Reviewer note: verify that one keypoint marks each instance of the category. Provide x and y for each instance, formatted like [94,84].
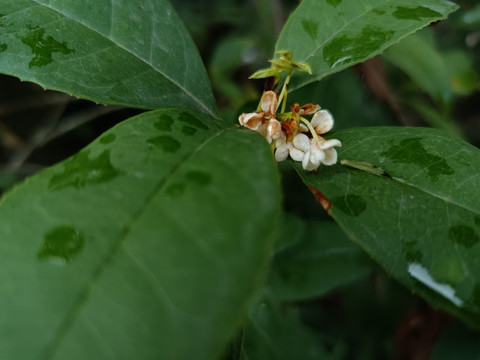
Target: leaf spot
[3,47]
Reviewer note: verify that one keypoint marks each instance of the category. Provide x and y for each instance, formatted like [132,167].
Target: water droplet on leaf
[416,13]
[192,120]
[164,123]
[411,151]
[351,47]
[311,28]
[107,139]
[43,47]
[175,190]
[199,177]
[188,130]
[64,242]
[166,143]
[81,170]
[463,235]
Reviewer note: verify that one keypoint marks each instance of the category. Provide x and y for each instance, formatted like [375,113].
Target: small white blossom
[283,151]
[330,153]
[300,146]
[313,157]
[322,122]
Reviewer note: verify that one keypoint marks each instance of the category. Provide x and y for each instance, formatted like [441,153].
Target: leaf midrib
[173,81]
[82,299]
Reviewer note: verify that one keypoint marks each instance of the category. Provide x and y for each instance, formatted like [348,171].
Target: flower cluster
[290,134]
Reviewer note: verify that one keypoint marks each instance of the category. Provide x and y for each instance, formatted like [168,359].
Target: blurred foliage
[429,79]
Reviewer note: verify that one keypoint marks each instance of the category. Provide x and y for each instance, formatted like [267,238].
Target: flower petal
[310,109]
[269,102]
[281,140]
[281,153]
[309,162]
[327,144]
[302,128]
[251,120]
[301,142]
[296,154]
[274,130]
[330,157]
[322,121]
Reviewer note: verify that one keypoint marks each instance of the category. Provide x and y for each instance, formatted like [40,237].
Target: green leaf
[421,220]
[331,35]
[149,243]
[135,54]
[321,260]
[278,333]
[418,58]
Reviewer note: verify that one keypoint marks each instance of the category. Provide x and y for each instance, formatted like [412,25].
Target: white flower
[322,122]
[330,153]
[313,157]
[321,152]
[300,146]
[282,151]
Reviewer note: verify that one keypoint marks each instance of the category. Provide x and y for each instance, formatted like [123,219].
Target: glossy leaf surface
[421,220]
[143,245]
[322,259]
[331,35]
[136,54]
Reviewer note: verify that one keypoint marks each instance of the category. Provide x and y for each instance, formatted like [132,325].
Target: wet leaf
[421,220]
[136,54]
[136,248]
[322,259]
[333,35]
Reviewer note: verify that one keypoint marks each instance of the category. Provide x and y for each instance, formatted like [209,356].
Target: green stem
[259,106]
[283,95]
[310,127]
